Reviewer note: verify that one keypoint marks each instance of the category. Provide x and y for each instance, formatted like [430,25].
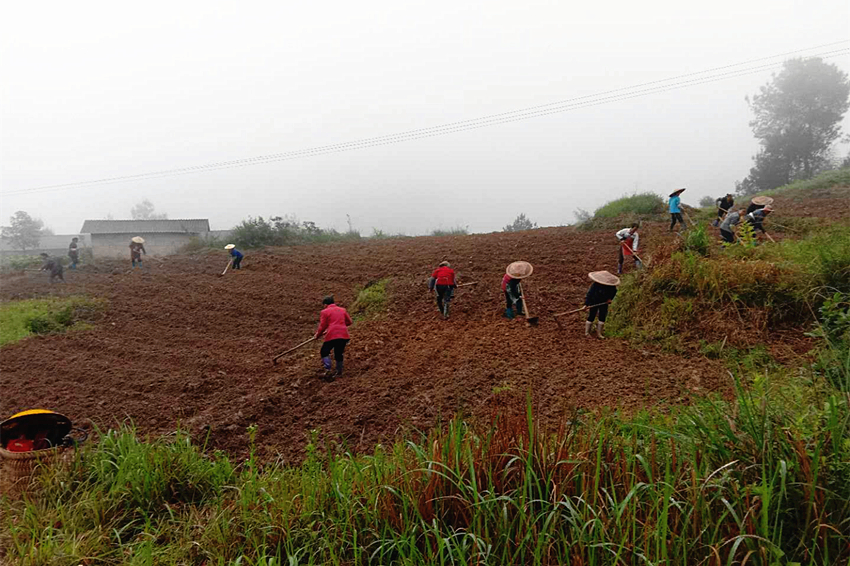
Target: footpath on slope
[182,347]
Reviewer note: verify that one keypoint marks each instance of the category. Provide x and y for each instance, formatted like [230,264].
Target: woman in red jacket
[333,323]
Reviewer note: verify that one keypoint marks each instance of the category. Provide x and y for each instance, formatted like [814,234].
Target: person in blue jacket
[236,255]
[675,211]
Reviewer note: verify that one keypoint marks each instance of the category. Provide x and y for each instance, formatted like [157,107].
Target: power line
[605,97]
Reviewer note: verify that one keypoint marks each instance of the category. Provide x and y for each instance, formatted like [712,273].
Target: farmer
[723,205]
[675,210]
[54,266]
[514,274]
[137,248]
[599,296]
[756,218]
[628,238]
[333,323]
[443,280]
[759,202]
[727,227]
[235,255]
[73,253]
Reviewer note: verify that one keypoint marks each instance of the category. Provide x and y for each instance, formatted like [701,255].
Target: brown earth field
[179,346]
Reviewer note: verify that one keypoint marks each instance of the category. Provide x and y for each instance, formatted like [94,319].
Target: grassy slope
[50,315]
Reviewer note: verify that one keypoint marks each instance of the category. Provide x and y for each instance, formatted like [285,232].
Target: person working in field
[444,282]
[727,227]
[333,323]
[137,248]
[73,253]
[756,218]
[674,205]
[628,238]
[759,202]
[600,294]
[514,274]
[723,205]
[235,256]
[54,266]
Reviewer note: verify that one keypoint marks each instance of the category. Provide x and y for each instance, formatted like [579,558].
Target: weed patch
[371,299]
[20,319]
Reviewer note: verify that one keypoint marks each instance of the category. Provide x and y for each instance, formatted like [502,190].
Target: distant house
[56,245]
[111,238]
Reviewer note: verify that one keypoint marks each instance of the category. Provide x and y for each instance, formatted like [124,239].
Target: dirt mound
[181,346]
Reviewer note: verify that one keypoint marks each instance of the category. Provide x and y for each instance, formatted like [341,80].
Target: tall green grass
[453,231]
[827,180]
[19,319]
[637,204]
[762,480]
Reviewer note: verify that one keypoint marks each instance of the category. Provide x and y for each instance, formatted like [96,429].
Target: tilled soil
[180,346]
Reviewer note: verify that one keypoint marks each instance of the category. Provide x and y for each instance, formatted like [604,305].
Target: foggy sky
[98,89]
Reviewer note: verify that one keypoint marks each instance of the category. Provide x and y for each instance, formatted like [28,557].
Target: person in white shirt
[628,238]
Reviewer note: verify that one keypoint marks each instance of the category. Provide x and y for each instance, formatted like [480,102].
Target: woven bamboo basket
[19,469]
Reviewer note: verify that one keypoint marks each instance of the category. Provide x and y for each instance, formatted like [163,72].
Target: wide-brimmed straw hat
[677,192]
[519,269]
[444,264]
[762,201]
[137,239]
[229,246]
[604,278]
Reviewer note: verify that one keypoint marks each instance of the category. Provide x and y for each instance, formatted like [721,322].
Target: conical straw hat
[229,246]
[677,192]
[137,239]
[519,269]
[604,278]
[762,201]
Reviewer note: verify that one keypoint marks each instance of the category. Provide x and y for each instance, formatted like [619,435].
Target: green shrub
[698,240]
[285,231]
[456,231]
[371,299]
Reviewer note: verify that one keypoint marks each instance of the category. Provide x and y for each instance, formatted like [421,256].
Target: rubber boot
[509,313]
[326,362]
[339,368]
[446,310]
[587,326]
[599,326]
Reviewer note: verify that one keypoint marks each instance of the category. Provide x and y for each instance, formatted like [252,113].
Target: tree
[797,119]
[24,232]
[145,211]
[707,202]
[521,222]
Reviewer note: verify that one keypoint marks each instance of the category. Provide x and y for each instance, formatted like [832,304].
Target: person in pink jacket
[333,323]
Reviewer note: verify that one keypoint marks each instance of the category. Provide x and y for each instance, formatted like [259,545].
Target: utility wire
[625,93]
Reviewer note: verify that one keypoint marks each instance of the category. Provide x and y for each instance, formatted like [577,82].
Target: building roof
[190,226]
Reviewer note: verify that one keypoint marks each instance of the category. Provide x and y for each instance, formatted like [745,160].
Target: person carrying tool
[728,225]
[444,282]
[723,205]
[628,238]
[54,266]
[73,253]
[333,323]
[759,202]
[137,248]
[600,294]
[514,274]
[756,218]
[235,256]
[675,209]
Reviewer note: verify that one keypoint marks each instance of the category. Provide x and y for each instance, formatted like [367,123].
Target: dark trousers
[444,295]
[338,346]
[727,236]
[511,299]
[676,217]
[57,274]
[601,310]
[237,262]
[622,258]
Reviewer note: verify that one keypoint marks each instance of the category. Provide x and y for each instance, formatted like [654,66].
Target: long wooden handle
[578,310]
[634,253]
[467,284]
[304,343]
[769,238]
[226,267]
[524,302]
